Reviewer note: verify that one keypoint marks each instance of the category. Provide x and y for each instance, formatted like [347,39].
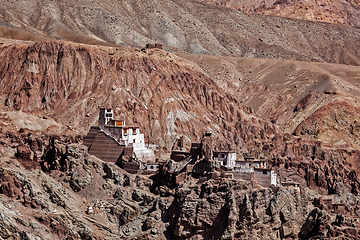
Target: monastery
[113,140]
[247,168]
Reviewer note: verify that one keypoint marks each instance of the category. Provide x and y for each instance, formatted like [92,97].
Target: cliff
[51,94]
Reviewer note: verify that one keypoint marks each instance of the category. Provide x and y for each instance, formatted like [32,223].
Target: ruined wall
[263,179]
[243,175]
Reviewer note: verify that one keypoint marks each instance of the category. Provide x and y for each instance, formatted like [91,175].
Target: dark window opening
[264,171]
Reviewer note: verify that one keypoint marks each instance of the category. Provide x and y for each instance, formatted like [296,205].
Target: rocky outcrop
[233,209]
[167,97]
[124,207]
[338,118]
[56,207]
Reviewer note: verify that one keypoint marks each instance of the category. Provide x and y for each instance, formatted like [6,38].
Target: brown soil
[52,91]
[291,93]
[339,12]
[182,25]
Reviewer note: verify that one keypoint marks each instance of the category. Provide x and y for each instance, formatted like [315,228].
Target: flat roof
[262,169]
[223,152]
[290,183]
[126,127]
[245,161]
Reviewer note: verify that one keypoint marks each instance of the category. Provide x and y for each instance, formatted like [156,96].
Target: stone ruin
[156,45]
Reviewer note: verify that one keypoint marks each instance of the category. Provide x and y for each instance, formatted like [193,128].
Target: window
[264,171]
[133,140]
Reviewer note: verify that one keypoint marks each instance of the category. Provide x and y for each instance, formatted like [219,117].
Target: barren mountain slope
[183,25]
[51,94]
[164,94]
[306,99]
[159,91]
[334,11]
[52,91]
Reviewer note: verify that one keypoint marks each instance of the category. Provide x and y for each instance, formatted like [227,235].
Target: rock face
[340,12]
[185,25]
[51,188]
[123,206]
[54,207]
[159,91]
[226,209]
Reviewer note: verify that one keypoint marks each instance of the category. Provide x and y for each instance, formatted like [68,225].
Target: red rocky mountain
[278,89]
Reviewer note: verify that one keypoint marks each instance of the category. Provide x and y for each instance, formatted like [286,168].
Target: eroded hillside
[51,96]
[181,25]
[166,95]
[253,102]
[314,100]
[335,11]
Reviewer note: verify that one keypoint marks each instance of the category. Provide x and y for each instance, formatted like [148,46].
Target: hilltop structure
[113,140]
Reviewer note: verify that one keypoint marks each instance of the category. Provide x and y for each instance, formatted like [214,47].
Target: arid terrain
[181,25]
[313,100]
[285,90]
[332,11]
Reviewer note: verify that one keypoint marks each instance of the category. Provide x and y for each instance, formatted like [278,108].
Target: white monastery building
[125,135]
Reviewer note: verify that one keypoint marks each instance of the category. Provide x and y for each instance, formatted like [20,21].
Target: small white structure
[273,177]
[258,169]
[109,115]
[152,167]
[90,209]
[290,182]
[226,159]
[54,210]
